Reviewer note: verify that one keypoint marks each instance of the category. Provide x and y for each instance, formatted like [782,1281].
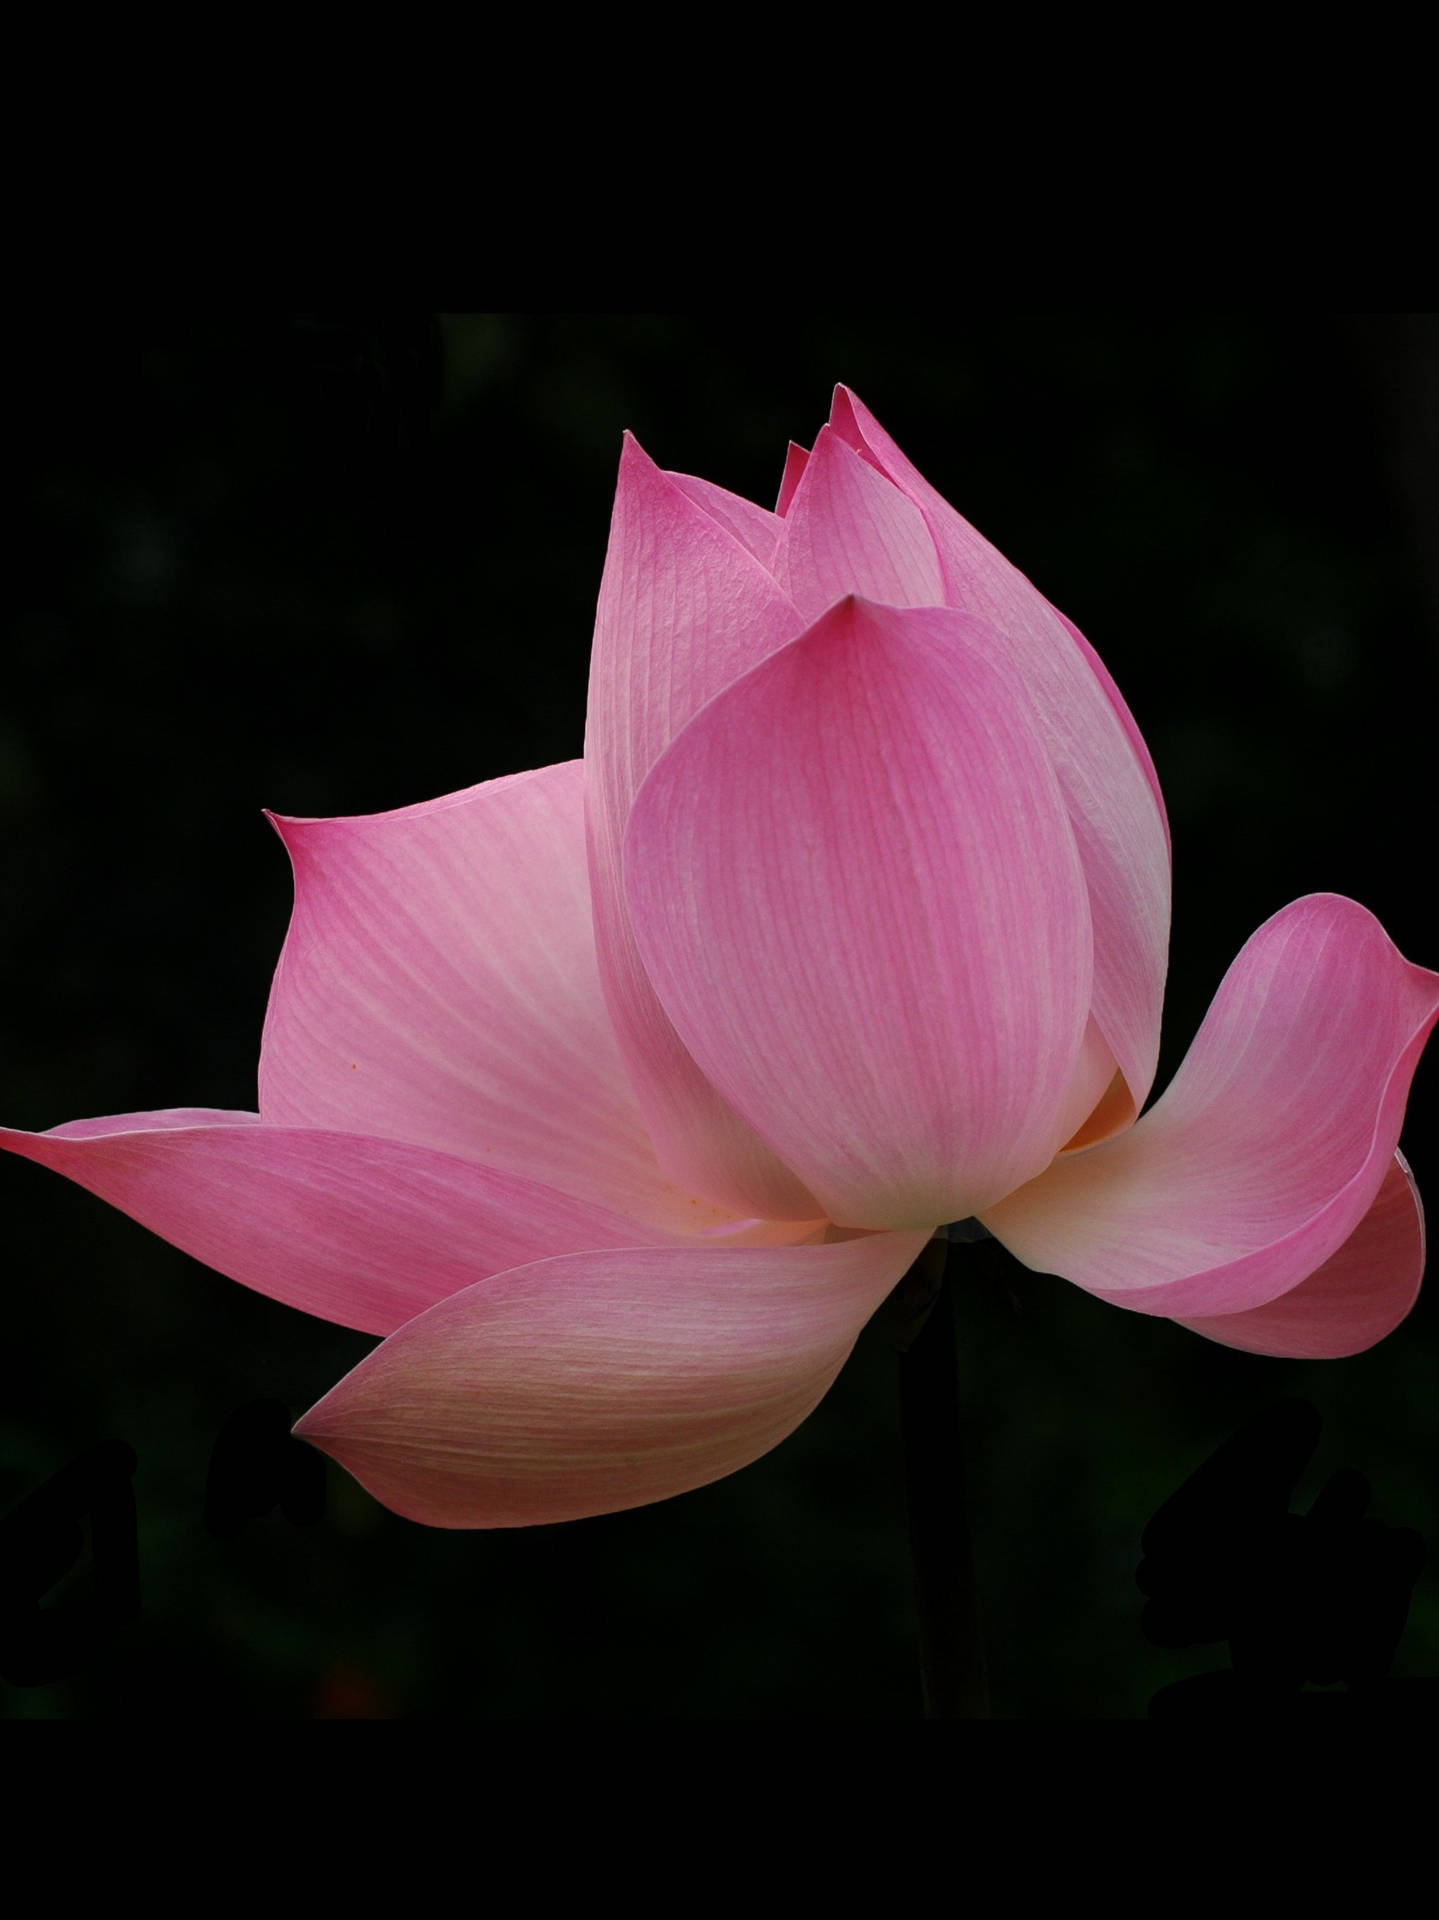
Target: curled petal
[684,609]
[1096,1102]
[854,886]
[360,1231]
[1105,772]
[1358,1296]
[1272,1142]
[601,1380]
[438,984]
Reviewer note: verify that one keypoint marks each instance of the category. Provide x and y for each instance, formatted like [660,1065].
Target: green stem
[946,1595]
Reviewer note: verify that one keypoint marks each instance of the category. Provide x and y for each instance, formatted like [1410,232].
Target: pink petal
[684,609]
[438,984]
[361,1231]
[794,466]
[1138,744]
[855,888]
[1105,772]
[1270,1145]
[848,530]
[106,1123]
[1358,1296]
[752,526]
[600,1381]
[1096,1102]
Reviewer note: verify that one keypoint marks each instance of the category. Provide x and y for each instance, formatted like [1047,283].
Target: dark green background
[343,562]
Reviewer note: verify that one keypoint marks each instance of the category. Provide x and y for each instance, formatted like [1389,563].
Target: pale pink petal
[794,465]
[1113,1112]
[848,530]
[684,609]
[438,984]
[1358,1296]
[602,1380]
[364,1232]
[754,527]
[1105,772]
[1271,1143]
[855,888]
[1094,1106]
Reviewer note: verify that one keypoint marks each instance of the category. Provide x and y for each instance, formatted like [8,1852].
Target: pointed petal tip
[285,826]
[358,1229]
[309,1428]
[796,459]
[600,1381]
[845,412]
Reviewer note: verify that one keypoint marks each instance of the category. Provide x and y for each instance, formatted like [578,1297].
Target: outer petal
[1104,770]
[599,1381]
[855,888]
[684,609]
[438,984]
[848,530]
[1358,1296]
[1272,1142]
[361,1231]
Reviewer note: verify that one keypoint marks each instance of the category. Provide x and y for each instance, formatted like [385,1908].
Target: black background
[343,562]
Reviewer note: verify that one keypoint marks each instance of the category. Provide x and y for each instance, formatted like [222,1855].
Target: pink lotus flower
[618,1095]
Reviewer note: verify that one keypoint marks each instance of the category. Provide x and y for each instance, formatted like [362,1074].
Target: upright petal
[848,530]
[1358,1296]
[1269,1147]
[855,888]
[361,1231]
[1104,769]
[795,461]
[599,1381]
[438,984]
[754,527]
[684,609]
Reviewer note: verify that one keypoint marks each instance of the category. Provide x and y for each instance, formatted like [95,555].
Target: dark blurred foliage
[342,562]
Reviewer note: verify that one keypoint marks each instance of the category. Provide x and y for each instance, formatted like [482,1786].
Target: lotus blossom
[617,1095]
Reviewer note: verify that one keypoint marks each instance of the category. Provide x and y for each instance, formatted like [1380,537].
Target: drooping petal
[684,609]
[855,888]
[1105,772]
[753,526]
[1358,1296]
[1271,1143]
[360,1231]
[600,1381]
[848,530]
[794,465]
[438,984]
